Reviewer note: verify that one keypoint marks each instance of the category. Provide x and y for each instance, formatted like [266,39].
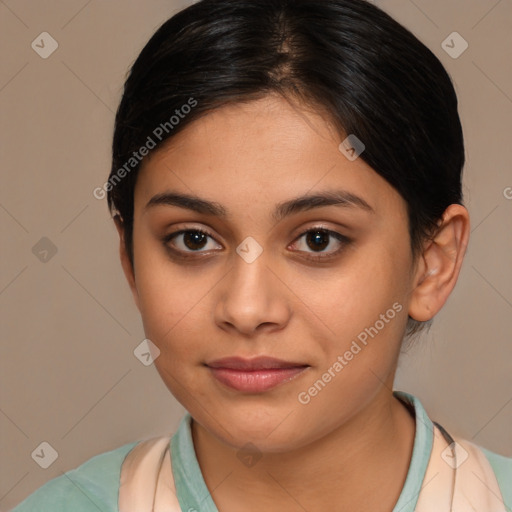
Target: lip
[254,375]
[255,363]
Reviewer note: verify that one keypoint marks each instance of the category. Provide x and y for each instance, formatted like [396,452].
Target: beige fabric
[147,483]
[476,486]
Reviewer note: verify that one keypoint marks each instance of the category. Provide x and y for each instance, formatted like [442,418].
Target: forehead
[256,154]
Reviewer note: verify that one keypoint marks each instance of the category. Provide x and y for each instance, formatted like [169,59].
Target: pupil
[194,238]
[317,239]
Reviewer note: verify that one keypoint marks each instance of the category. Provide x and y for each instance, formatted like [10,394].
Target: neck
[372,451]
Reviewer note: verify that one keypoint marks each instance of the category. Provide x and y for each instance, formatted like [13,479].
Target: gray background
[68,372]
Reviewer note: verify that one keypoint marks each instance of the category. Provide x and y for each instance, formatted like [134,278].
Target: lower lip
[255,381]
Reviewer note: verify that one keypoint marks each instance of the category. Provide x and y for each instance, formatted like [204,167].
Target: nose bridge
[251,294]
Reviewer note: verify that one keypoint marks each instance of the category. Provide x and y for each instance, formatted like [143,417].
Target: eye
[188,241]
[318,239]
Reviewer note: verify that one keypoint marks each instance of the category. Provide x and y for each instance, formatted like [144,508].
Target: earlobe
[125,259]
[440,264]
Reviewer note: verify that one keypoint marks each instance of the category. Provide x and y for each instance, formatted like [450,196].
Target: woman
[286,184]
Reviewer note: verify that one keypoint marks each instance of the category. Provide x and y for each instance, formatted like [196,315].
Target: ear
[125,260]
[440,264]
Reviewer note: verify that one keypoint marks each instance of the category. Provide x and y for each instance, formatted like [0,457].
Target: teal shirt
[94,486]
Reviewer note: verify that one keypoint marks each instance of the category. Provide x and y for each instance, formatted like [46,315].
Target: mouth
[254,375]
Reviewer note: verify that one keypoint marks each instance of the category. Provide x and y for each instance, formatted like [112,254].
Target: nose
[252,299]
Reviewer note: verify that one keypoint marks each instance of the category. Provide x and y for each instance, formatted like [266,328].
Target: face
[257,269]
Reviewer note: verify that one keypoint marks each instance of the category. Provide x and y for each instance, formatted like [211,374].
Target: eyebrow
[341,198]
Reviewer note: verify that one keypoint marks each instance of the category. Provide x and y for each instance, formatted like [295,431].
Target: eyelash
[344,241]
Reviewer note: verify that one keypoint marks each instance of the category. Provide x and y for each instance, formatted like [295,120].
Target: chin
[270,430]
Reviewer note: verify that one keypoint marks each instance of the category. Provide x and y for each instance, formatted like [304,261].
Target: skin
[353,433]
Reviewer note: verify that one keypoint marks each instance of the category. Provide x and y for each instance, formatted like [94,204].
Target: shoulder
[92,486]
[502,467]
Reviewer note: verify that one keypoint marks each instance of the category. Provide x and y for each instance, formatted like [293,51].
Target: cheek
[366,310]
[172,306]
[370,291]
[167,295]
